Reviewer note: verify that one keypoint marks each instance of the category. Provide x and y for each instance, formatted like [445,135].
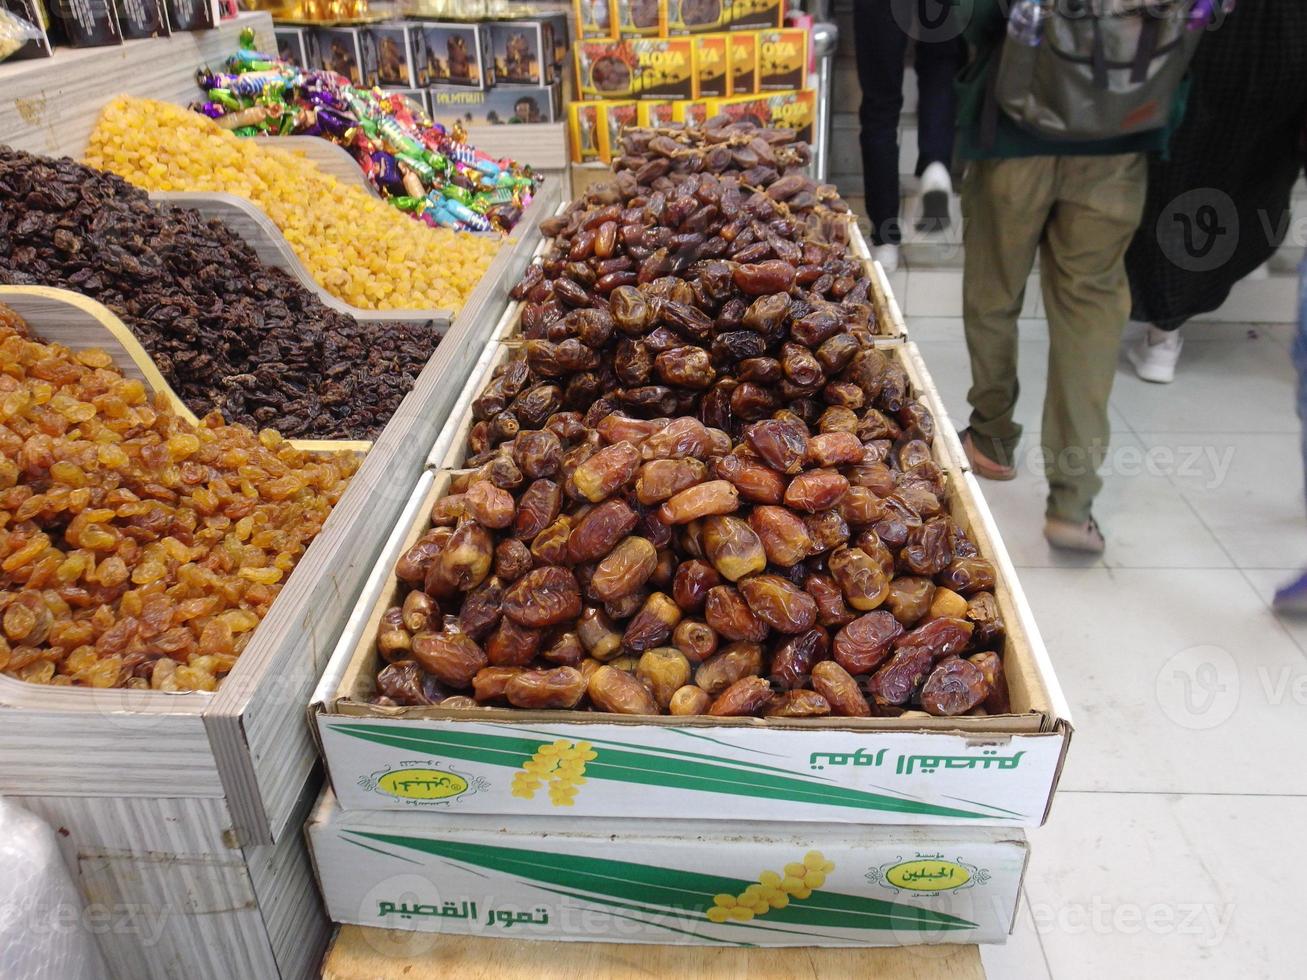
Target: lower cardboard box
[675,882]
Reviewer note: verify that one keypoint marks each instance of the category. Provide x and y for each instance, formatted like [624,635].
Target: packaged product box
[692,112]
[142,18]
[636,68]
[348,51]
[742,55]
[695,16]
[784,110]
[655,113]
[557,20]
[298,45]
[458,54]
[640,18]
[595,18]
[193,15]
[613,118]
[494,107]
[583,126]
[34,13]
[782,60]
[400,48]
[523,52]
[748,15]
[672,882]
[86,23]
[711,66]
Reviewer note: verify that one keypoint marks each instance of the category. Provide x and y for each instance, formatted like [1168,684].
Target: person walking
[881,31]
[1076,204]
[1292,596]
[1218,207]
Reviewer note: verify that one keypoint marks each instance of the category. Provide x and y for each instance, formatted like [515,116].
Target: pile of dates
[698,488]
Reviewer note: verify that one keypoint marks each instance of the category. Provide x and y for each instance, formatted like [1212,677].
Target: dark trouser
[881,31]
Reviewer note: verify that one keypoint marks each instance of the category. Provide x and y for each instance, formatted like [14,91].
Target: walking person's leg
[939,56]
[1292,597]
[1087,300]
[880,44]
[1005,204]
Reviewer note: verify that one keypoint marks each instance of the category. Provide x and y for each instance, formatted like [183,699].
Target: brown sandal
[982,465]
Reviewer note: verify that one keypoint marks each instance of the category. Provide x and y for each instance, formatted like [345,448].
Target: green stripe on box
[683,892]
[654,770]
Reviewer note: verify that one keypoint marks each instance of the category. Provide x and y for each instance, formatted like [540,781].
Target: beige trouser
[1080,214]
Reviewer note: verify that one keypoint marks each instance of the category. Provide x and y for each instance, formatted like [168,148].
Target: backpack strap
[1149,36]
[989,103]
[1098,56]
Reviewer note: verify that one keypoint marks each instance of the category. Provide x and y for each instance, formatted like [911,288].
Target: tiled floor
[1172,850]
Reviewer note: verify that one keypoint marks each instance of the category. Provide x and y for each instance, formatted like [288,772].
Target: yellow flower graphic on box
[773,891]
[559,764]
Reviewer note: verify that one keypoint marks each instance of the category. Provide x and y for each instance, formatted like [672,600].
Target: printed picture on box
[340,58]
[518,63]
[700,13]
[456,67]
[287,51]
[392,60]
[594,16]
[525,110]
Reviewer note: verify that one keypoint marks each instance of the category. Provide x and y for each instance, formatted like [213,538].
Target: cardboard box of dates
[676,881]
[718,590]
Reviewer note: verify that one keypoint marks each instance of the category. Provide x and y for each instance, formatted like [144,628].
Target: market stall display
[228,333]
[357,247]
[418,166]
[140,551]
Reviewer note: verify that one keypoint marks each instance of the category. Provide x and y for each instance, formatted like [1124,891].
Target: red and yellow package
[695,16]
[640,18]
[782,60]
[711,66]
[742,55]
[692,112]
[583,131]
[782,110]
[636,68]
[655,113]
[748,15]
[613,117]
[595,18]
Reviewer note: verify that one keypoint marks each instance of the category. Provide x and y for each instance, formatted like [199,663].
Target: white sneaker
[1155,354]
[887,256]
[936,189]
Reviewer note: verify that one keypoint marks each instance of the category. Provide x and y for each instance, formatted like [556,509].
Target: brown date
[512,560]
[732,547]
[625,570]
[703,500]
[724,668]
[862,645]
[565,650]
[780,443]
[451,658]
[664,671]
[816,490]
[607,470]
[840,690]
[798,704]
[537,509]
[419,611]
[596,633]
[660,479]
[954,687]
[465,562]
[653,624]
[691,584]
[543,597]
[784,536]
[726,612]
[488,505]
[947,604]
[991,667]
[747,696]
[689,700]
[537,453]
[831,607]
[687,367]
[792,661]
[512,645]
[561,687]
[490,682]
[861,578]
[599,531]
[827,529]
[927,549]
[939,637]
[696,640]
[480,611]
[909,599]
[833,449]
[779,603]
[773,276]
[968,576]
[550,545]
[756,483]
[617,692]
[983,613]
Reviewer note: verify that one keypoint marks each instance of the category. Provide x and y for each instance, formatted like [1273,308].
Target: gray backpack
[1099,68]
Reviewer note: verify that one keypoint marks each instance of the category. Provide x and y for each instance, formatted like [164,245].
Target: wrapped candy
[423,169]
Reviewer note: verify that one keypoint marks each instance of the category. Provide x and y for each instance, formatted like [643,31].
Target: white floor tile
[1265,581]
[1146,519]
[1179,681]
[1241,385]
[1134,886]
[1248,490]
[1021,958]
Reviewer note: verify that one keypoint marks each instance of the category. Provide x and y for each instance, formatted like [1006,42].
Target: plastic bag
[14,33]
[43,935]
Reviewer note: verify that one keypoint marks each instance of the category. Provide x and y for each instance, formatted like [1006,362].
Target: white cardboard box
[666,881]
